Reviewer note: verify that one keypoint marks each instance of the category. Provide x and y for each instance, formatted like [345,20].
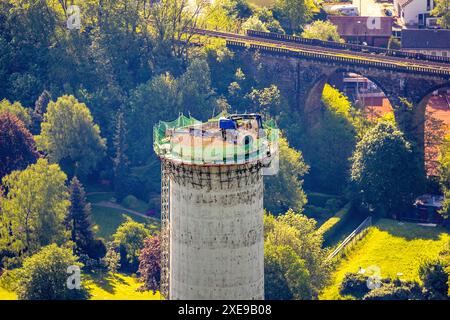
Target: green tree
[285,274]
[196,94]
[112,258]
[70,137]
[172,21]
[253,23]
[434,278]
[385,171]
[130,237]
[265,101]
[16,109]
[79,218]
[322,30]
[284,190]
[265,15]
[298,233]
[443,160]
[149,103]
[34,208]
[329,144]
[442,10]
[292,14]
[44,276]
[121,163]
[17,146]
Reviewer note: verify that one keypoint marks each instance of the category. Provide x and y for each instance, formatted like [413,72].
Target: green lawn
[101,196]
[392,246]
[107,220]
[116,287]
[106,287]
[6,295]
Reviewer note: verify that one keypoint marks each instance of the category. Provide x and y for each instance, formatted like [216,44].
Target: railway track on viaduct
[334,52]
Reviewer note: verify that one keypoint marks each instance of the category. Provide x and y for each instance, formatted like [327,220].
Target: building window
[444,53]
[433,53]
[428,5]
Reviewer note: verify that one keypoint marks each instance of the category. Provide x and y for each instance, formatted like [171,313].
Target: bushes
[129,238]
[357,285]
[434,278]
[44,276]
[396,290]
[130,201]
[354,284]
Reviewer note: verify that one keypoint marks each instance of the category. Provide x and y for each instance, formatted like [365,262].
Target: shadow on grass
[105,281]
[409,230]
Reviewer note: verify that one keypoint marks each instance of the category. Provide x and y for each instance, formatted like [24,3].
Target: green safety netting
[163,145]
[159,130]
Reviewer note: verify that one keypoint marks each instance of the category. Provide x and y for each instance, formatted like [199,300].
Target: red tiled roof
[370,26]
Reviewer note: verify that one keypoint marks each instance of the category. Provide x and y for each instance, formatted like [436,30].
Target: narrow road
[112,205]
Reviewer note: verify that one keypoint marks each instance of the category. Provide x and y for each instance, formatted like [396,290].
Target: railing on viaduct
[329,57]
[347,46]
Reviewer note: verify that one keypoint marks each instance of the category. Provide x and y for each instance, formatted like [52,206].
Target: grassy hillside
[395,248]
[107,220]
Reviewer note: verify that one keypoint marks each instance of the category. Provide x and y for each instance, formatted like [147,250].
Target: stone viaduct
[301,68]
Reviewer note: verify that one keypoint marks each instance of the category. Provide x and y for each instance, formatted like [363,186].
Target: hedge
[330,227]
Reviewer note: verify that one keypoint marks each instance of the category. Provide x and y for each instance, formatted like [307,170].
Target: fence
[327,57]
[353,238]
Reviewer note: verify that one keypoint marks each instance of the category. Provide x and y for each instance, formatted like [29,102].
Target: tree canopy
[322,30]
[384,171]
[294,13]
[34,208]
[17,145]
[295,261]
[70,137]
[284,190]
[130,237]
[44,276]
[442,10]
[328,145]
[16,109]
[79,218]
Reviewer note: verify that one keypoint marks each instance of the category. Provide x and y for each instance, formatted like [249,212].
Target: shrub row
[333,225]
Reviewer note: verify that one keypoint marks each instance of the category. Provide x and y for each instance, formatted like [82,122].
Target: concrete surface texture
[216,235]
